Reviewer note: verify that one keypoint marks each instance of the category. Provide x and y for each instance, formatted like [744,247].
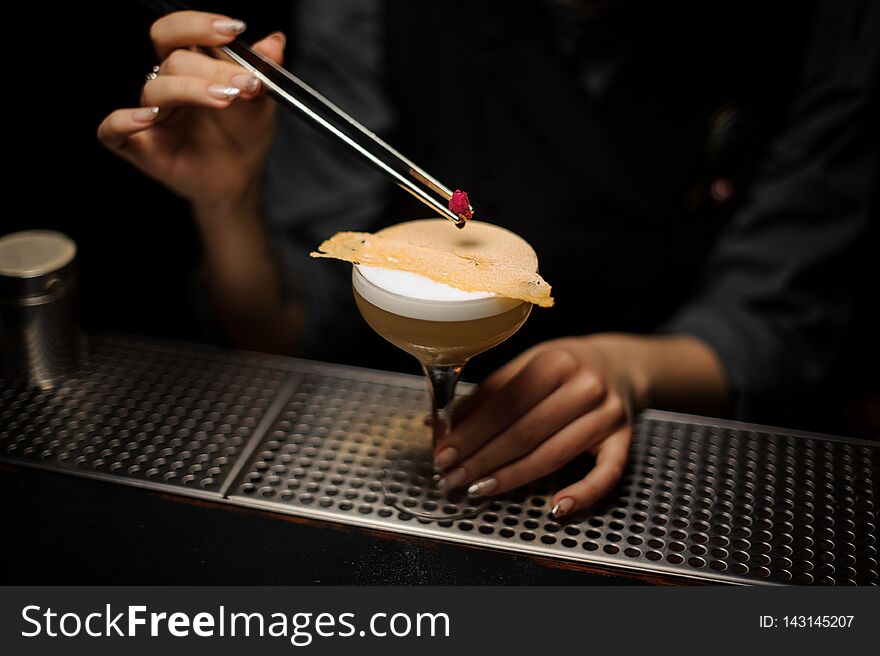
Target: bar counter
[217,466]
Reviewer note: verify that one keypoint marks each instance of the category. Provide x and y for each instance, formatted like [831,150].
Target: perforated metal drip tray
[700,499]
[149,414]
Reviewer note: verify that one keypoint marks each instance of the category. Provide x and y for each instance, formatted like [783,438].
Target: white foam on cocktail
[417,286]
[418,297]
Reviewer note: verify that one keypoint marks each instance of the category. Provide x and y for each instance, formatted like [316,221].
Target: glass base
[409,483]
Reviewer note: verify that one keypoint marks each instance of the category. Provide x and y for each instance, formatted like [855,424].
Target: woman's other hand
[569,396]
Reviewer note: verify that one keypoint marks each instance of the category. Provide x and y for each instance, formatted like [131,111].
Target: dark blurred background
[138,246]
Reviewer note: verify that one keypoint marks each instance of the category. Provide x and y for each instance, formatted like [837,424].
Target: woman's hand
[566,397]
[203,128]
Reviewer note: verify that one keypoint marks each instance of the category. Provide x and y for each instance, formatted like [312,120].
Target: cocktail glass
[442,334]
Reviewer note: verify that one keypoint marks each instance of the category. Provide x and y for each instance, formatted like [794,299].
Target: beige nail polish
[223,93]
[229,27]
[563,507]
[483,487]
[446,457]
[453,479]
[145,114]
[246,83]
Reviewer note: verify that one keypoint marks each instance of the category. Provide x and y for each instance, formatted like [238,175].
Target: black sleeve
[776,294]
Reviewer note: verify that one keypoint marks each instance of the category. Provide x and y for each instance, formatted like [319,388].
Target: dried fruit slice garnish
[487,259]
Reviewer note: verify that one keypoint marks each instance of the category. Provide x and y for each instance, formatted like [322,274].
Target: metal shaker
[40,337]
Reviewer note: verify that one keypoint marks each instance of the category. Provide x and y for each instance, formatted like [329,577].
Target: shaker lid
[34,253]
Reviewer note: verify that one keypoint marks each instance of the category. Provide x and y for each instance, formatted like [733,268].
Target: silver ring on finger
[153,74]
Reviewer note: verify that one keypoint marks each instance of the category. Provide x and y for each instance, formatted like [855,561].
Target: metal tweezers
[293,93]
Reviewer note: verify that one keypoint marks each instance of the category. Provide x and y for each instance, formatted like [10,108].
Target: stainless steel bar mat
[152,415]
[701,499]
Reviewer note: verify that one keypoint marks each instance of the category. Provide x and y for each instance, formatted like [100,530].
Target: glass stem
[441,383]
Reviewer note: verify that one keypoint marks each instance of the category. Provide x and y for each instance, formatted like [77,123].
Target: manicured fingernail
[229,26]
[563,507]
[246,83]
[280,36]
[453,479]
[145,114]
[446,457]
[223,93]
[483,487]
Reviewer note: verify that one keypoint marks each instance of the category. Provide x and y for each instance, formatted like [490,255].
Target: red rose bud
[460,205]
